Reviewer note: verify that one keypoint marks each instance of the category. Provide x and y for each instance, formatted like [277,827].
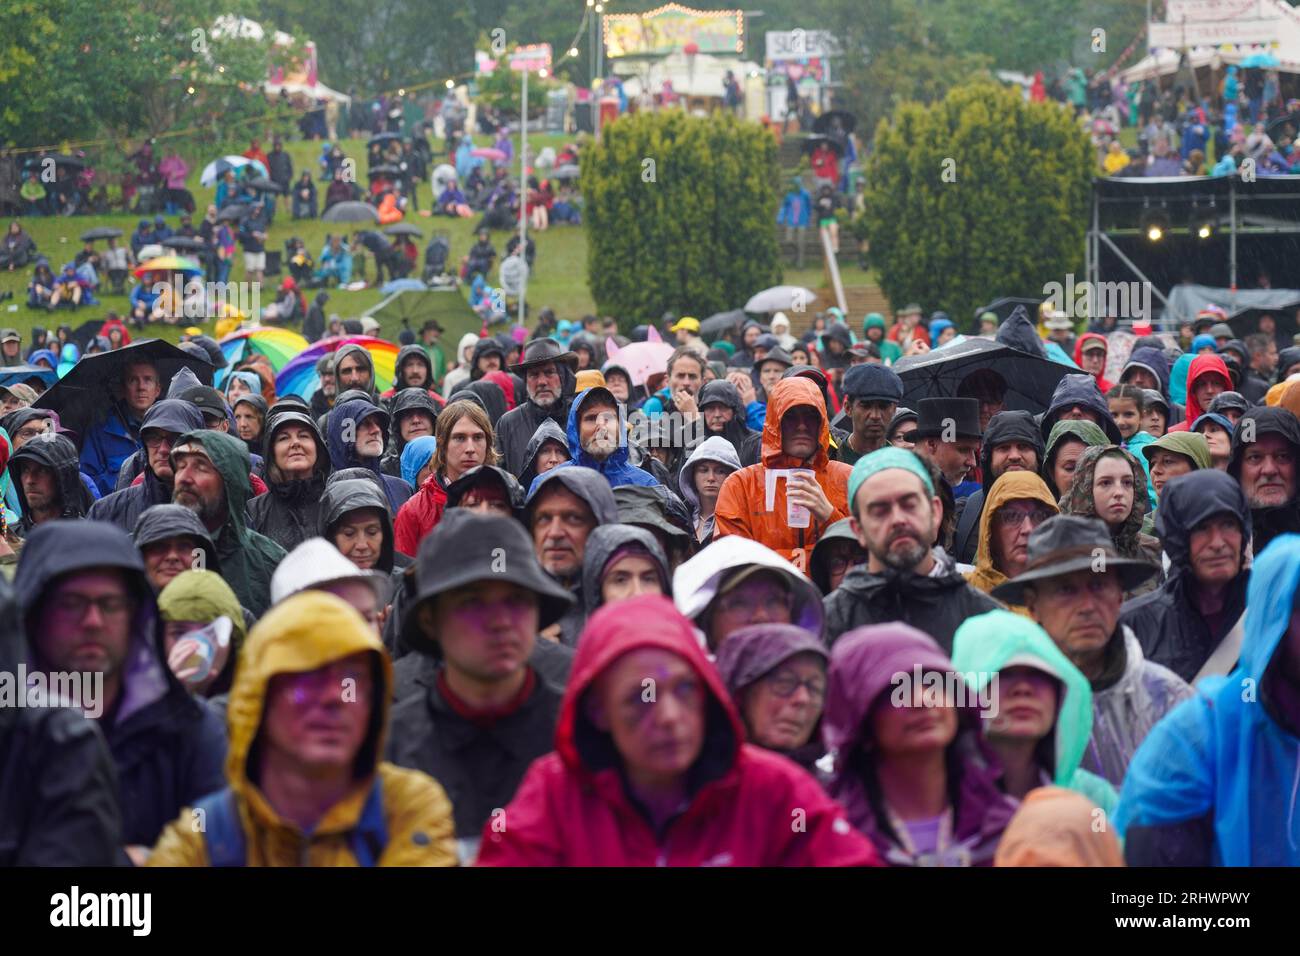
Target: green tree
[82,69]
[975,196]
[680,214]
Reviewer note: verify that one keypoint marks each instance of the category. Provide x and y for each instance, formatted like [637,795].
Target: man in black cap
[1073,585]
[489,356]
[723,414]
[948,434]
[477,600]
[1012,442]
[871,396]
[548,374]
[563,507]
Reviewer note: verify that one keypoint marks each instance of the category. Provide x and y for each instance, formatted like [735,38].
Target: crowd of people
[1189,132]
[532,606]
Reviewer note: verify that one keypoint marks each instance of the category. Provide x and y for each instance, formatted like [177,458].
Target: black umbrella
[404,229]
[717,325]
[1283,125]
[384,169]
[83,333]
[826,123]
[101,232]
[264,185]
[83,397]
[235,211]
[812,142]
[1030,380]
[351,212]
[70,161]
[382,138]
[185,242]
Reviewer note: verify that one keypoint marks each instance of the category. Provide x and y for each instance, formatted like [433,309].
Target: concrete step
[860,300]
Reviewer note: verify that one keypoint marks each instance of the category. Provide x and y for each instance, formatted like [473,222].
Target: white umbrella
[218,167]
[782,298]
[442,175]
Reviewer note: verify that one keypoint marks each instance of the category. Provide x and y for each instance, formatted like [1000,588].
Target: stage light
[1155,224]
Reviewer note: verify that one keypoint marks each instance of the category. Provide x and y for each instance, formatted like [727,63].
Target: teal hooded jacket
[987,643]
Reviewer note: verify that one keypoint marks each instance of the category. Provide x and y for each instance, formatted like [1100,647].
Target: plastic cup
[797,516]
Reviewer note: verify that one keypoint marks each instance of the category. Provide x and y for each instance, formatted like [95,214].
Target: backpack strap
[370,837]
[222,830]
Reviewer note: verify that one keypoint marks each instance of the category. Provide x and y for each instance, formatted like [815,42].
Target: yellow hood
[302,633]
[1010,486]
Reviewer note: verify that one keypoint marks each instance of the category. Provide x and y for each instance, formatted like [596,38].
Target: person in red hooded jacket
[651,767]
[1090,351]
[1207,377]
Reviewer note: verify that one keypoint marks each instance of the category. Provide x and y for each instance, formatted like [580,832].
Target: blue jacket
[795,208]
[616,468]
[1214,783]
[106,446]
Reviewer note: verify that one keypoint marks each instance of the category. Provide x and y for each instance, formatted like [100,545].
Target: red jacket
[1208,364]
[754,808]
[420,515]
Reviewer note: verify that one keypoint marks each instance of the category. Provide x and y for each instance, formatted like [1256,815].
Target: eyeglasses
[154,439]
[75,605]
[840,564]
[785,684]
[1010,517]
[748,602]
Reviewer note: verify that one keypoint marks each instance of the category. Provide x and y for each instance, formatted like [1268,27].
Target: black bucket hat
[540,351]
[465,548]
[1064,544]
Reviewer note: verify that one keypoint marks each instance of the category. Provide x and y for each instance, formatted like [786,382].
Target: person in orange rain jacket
[664,779]
[796,434]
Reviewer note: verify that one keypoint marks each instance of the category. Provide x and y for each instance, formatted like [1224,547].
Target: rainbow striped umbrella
[280,346]
[299,376]
[169,264]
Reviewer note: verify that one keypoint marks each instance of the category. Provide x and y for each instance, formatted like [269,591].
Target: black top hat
[941,417]
[541,351]
[1067,543]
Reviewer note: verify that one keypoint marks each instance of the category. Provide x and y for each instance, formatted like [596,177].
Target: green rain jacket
[987,643]
[248,559]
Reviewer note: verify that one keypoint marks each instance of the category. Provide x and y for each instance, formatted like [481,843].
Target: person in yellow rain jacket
[307,719]
[1018,502]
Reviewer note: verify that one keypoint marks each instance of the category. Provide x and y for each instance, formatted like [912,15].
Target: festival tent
[1287,49]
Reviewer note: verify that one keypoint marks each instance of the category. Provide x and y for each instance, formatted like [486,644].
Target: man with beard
[412,370]
[211,479]
[44,473]
[548,373]
[596,441]
[896,516]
